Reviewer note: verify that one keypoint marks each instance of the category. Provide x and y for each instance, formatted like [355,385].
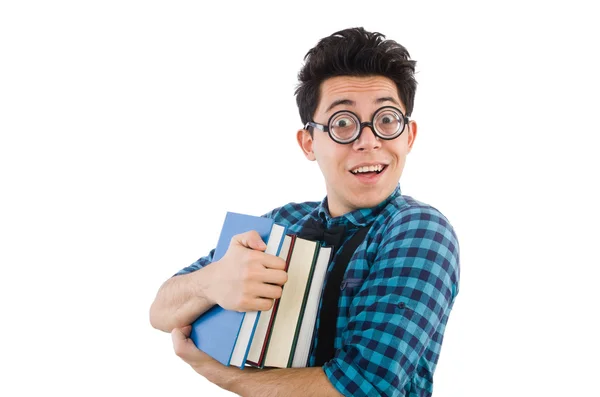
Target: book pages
[290,304]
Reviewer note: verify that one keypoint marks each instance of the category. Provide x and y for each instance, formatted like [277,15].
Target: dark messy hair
[354,52]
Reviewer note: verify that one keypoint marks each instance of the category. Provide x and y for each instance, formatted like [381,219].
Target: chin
[368,201]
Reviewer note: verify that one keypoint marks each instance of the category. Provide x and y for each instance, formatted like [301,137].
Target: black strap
[331,295]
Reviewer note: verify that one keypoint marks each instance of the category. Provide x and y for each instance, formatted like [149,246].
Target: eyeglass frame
[362,125]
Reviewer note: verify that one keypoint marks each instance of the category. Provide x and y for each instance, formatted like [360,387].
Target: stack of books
[282,336]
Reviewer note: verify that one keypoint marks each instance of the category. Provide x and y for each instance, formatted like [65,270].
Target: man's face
[346,190]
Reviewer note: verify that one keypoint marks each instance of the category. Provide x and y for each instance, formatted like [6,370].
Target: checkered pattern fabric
[397,294]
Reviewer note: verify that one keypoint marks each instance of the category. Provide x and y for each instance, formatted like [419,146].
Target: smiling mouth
[369,170]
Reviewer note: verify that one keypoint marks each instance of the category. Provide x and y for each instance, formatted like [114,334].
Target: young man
[355,95]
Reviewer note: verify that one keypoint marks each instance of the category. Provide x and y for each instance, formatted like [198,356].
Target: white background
[128,129]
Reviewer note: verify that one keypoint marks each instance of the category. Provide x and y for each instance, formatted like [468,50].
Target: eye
[343,126]
[388,122]
[387,119]
[344,122]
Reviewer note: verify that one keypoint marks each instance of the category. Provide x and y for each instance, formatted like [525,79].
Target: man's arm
[244,279]
[276,382]
[251,381]
[181,299]
[397,318]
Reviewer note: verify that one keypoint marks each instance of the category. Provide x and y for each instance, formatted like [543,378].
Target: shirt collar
[360,217]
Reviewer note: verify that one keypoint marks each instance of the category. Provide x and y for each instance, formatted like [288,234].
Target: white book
[305,337]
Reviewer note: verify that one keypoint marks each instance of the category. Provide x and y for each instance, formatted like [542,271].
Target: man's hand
[186,349]
[200,362]
[246,278]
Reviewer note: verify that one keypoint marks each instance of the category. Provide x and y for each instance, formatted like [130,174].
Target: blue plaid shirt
[396,296]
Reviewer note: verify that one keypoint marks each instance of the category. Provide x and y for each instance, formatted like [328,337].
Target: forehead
[362,91]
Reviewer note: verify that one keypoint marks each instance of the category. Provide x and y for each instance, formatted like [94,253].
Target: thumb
[183,346]
[187,330]
[252,240]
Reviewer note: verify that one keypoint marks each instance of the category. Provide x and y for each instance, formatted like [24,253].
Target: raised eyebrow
[386,99]
[350,102]
[340,102]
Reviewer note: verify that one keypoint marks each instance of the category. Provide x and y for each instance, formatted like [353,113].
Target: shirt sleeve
[403,302]
[200,263]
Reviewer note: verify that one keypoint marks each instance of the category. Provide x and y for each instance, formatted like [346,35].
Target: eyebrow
[352,103]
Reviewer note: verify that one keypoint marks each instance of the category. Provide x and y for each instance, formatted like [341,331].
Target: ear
[412,134]
[305,140]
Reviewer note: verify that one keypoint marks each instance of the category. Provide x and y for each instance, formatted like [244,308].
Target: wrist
[220,375]
[203,279]
[230,378]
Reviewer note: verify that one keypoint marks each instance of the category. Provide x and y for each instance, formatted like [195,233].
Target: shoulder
[405,214]
[420,234]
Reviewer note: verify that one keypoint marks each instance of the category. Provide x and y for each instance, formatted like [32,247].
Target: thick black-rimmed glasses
[345,127]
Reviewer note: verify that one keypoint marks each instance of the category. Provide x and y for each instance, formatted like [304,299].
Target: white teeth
[370,168]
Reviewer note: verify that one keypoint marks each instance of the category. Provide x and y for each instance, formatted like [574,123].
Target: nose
[367,140]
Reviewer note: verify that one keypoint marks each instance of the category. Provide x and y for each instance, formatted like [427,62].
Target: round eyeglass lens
[344,126]
[388,122]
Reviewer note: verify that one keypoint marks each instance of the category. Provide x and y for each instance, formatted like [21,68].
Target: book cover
[216,331]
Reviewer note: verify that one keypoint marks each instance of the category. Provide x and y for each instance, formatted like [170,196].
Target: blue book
[226,335]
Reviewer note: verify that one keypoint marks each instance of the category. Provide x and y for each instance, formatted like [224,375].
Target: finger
[251,240]
[178,338]
[183,346]
[262,304]
[273,262]
[268,291]
[272,276]
[187,330]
